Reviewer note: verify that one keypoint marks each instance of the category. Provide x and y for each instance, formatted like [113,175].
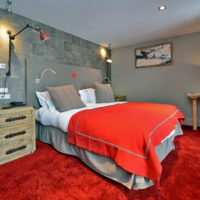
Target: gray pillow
[104,93]
[65,97]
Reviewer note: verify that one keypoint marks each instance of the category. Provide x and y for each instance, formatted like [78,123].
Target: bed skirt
[103,165]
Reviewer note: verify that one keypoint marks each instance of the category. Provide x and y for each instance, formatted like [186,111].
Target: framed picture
[158,55]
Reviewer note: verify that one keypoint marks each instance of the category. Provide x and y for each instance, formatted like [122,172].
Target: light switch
[2,66]
[4,96]
[3,90]
[37,81]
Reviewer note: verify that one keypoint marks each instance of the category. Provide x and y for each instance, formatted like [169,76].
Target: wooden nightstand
[17,133]
[120,98]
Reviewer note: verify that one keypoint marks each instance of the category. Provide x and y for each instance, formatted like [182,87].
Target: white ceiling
[119,22]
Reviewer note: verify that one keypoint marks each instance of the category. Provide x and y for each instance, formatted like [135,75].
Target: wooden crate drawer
[13,119]
[10,135]
[16,150]
[17,132]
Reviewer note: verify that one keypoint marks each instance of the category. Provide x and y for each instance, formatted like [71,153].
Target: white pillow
[88,95]
[45,100]
[92,95]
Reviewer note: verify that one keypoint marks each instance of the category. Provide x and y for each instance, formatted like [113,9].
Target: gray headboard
[86,77]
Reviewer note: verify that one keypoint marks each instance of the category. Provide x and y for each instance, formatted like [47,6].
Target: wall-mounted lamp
[108,60]
[106,79]
[103,52]
[43,36]
[38,80]
[163,7]
[109,57]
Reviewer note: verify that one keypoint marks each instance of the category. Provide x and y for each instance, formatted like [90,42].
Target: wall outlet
[3,90]
[5,96]
[2,66]
[37,81]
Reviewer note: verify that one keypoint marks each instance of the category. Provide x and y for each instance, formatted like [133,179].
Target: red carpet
[49,175]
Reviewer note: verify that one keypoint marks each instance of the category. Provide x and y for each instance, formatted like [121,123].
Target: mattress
[103,165]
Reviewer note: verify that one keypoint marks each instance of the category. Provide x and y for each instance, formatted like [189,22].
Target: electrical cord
[5,84]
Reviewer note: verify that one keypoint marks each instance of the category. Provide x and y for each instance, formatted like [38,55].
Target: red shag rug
[49,175]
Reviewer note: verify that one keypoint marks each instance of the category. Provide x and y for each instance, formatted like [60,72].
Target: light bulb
[163,7]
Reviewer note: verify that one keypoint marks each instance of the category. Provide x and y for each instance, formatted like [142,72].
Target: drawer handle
[15,118]
[16,149]
[15,134]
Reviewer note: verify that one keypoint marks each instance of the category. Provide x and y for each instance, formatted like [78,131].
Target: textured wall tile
[76,40]
[67,46]
[83,43]
[68,38]
[59,54]
[54,43]
[38,49]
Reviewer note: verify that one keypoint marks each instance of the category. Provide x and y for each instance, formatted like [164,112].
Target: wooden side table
[17,133]
[120,98]
[194,97]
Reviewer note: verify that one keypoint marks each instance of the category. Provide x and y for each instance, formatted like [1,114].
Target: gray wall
[63,49]
[165,84]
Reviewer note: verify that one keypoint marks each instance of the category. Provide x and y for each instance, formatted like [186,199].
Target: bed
[52,130]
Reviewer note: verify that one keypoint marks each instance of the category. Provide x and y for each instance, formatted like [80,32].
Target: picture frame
[153,56]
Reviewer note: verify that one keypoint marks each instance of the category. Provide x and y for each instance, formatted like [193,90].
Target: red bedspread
[127,133]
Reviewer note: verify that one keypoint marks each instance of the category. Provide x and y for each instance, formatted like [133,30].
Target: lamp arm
[12,37]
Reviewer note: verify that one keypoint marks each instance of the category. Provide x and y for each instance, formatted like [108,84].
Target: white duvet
[61,119]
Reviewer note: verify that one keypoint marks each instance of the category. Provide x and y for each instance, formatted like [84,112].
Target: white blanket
[61,119]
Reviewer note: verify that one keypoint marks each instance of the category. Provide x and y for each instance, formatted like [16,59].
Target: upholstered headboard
[85,77]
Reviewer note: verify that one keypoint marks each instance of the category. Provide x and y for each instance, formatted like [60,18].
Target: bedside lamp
[38,80]
[109,58]
[107,80]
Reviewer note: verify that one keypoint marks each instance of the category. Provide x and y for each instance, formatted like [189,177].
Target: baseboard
[189,122]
